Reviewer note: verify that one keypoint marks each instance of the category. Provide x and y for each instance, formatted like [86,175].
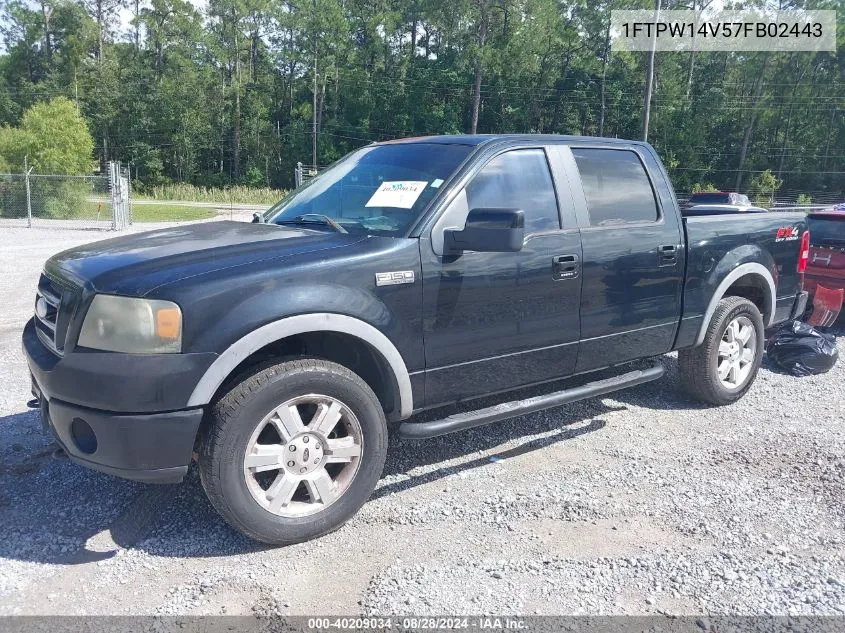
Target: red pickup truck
[825,274]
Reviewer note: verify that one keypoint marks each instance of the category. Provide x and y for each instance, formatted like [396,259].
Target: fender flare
[241,349]
[750,268]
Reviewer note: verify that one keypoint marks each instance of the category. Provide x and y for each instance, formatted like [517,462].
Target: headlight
[134,326]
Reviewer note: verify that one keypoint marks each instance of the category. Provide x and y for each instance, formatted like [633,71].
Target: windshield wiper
[314,218]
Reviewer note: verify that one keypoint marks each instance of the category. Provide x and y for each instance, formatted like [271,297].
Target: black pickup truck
[411,274]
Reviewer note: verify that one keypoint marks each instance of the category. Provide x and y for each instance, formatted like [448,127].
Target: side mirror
[258,218]
[488,231]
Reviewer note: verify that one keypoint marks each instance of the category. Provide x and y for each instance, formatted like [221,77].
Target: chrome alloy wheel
[737,351]
[295,468]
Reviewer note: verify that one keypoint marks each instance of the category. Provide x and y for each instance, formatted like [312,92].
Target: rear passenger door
[633,254]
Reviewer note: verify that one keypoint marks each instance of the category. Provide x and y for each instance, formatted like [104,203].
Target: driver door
[495,321]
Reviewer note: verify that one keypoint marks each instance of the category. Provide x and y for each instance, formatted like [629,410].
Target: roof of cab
[478,139]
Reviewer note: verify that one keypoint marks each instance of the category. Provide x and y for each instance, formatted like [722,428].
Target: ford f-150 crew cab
[411,274]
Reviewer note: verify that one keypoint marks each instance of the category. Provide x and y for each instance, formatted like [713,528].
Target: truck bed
[718,244]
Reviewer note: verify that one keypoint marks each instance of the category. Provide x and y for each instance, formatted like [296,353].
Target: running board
[472,419]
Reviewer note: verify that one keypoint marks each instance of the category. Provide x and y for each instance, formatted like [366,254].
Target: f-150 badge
[395,278]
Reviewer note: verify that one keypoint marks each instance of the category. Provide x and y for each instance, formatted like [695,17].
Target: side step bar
[472,419]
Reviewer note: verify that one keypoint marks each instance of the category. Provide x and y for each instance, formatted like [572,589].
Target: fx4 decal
[786,234]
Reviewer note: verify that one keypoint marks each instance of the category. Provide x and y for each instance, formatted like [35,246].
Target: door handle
[667,255]
[565,266]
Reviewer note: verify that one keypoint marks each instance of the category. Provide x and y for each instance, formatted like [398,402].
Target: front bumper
[122,414]
[155,448]
[111,381]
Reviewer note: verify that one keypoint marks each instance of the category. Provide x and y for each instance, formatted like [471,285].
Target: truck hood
[134,265]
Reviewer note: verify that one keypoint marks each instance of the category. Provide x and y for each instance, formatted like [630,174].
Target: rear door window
[616,187]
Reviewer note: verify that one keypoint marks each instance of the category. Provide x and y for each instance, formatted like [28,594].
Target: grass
[237,194]
[86,210]
[169,213]
[141,212]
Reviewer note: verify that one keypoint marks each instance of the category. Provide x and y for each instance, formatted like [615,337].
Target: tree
[55,139]
[231,94]
[764,186]
[104,13]
[13,144]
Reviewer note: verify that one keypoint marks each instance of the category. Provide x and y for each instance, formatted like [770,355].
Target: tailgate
[827,261]
[827,244]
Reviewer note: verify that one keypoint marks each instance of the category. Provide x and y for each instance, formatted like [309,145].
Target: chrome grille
[53,305]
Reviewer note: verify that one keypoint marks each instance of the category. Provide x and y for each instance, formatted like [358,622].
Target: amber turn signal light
[168,323]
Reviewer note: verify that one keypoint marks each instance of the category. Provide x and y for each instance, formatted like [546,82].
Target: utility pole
[649,73]
[314,103]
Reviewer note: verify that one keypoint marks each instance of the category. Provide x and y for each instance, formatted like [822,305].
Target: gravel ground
[638,503]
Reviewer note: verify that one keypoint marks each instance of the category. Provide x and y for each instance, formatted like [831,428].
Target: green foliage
[13,144]
[254,177]
[57,137]
[52,138]
[763,187]
[803,199]
[170,213]
[60,198]
[705,187]
[230,195]
[12,197]
[225,98]
[765,181]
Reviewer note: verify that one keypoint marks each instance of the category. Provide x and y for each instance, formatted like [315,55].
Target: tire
[252,452]
[699,366]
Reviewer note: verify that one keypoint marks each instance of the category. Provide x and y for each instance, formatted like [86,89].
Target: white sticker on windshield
[401,194]
[436,183]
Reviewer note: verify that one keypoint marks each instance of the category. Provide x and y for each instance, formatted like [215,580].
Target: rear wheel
[722,369]
[293,451]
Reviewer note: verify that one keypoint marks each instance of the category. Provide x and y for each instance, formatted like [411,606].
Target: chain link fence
[304,173]
[78,202]
[785,198]
[120,194]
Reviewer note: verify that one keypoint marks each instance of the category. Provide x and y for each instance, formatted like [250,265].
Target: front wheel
[293,451]
[723,368]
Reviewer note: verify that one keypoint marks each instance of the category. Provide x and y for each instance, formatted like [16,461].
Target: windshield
[379,189]
[827,231]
